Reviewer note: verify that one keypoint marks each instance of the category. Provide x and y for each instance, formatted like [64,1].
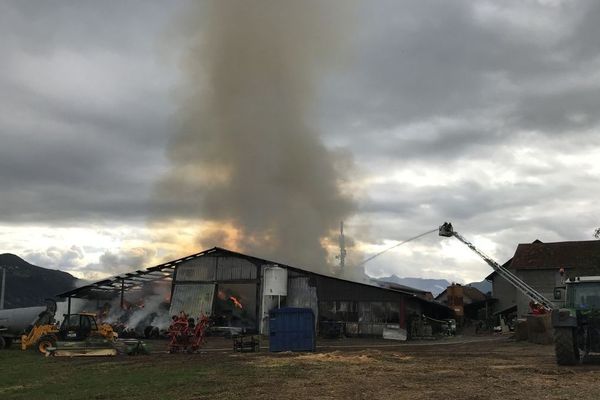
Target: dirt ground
[460,368]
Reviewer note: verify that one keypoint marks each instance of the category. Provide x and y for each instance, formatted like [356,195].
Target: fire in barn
[221,292]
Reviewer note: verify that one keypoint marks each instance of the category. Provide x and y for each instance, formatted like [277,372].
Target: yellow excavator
[78,335]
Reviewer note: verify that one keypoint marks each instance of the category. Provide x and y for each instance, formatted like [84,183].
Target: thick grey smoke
[247,156]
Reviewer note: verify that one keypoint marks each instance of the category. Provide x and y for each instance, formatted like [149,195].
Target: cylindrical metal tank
[275,281]
[15,320]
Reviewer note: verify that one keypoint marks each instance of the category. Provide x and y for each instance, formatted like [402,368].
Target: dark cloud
[85,106]
[430,59]
[559,113]
[483,113]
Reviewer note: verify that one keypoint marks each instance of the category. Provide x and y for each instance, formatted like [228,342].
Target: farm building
[466,302]
[238,291]
[539,265]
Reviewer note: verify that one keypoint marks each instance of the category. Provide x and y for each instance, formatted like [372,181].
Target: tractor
[77,335]
[577,325]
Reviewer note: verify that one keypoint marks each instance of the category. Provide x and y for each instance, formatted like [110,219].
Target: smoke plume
[247,158]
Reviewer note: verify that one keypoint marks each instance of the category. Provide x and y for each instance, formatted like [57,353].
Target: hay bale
[539,329]
[521,330]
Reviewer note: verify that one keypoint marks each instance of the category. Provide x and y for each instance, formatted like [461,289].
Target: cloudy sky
[482,113]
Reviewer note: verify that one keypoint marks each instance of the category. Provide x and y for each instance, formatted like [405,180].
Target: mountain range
[28,285]
[435,286]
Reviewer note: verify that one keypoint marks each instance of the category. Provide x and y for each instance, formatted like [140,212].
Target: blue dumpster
[292,329]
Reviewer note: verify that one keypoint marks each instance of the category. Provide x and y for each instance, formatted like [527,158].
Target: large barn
[238,291]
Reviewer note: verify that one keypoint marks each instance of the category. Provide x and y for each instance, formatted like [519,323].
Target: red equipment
[185,335]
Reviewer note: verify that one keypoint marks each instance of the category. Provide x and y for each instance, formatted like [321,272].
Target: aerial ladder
[447,231]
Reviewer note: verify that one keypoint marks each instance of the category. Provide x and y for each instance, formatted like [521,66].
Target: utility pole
[342,255]
[3,288]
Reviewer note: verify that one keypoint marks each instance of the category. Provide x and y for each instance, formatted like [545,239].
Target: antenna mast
[342,255]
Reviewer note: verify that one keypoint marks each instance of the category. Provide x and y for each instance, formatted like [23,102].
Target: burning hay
[141,313]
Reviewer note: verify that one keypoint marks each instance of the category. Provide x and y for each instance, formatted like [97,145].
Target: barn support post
[402,319]
[69,305]
[122,293]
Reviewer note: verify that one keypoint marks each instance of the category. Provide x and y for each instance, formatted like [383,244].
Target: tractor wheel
[8,342]
[565,346]
[45,342]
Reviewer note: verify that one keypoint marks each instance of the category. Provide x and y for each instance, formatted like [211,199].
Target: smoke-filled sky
[393,115]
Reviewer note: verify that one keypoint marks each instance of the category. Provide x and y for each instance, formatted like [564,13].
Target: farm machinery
[576,326]
[36,328]
[187,335]
[78,335]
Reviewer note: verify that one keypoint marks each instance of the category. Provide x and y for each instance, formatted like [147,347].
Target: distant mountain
[483,286]
[28,285]
[435,286]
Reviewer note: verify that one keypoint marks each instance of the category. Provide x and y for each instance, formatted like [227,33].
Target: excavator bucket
[446,229]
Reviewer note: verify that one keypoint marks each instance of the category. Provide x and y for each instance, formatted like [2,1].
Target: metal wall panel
[198,269]
[302,294]
[235,268]
[194,299]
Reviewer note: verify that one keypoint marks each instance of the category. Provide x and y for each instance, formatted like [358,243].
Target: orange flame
[236,302]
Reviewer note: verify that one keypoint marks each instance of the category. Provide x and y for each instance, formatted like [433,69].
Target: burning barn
[237,291]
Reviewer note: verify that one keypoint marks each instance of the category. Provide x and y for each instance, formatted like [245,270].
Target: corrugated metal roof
[132,280]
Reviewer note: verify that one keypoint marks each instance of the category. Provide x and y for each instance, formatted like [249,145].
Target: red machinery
[185,335]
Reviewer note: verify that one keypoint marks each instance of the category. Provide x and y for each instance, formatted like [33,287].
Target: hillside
[28,285]
[483,286]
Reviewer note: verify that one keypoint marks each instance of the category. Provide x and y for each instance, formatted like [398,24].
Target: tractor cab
[583,293]
[77,327]
[577,325]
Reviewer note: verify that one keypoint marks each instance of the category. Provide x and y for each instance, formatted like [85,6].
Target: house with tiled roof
[539,264]
[466,301]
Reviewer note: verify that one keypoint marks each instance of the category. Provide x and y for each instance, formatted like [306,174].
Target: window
[585,295]
[557,294]
[71,322]
[85,322]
